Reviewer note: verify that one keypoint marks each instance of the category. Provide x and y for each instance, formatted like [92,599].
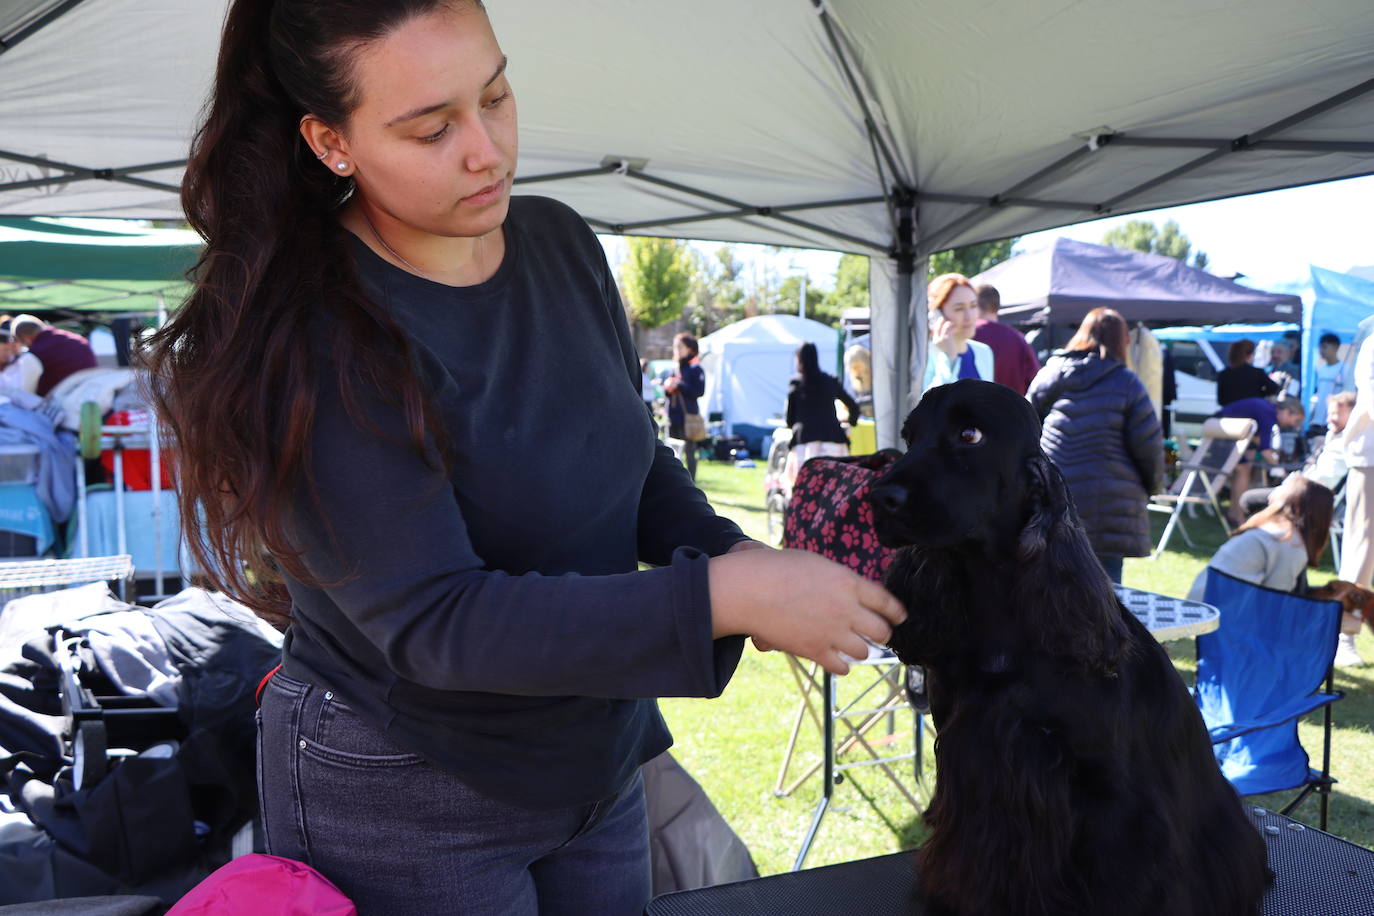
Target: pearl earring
[341,166]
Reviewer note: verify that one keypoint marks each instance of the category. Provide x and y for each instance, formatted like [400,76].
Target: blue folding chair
[1257,676]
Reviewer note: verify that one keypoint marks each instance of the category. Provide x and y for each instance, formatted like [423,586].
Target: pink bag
[261,885]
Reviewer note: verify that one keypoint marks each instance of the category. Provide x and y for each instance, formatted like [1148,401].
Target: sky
[1271,238]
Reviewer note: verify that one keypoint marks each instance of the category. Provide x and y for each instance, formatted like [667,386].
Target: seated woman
[1241,378]
[1276,546]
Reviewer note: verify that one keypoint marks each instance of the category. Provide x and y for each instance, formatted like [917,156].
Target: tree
[1144,235]
[851,284]
[717,299]
[971,259]
[818,304]
[658,275]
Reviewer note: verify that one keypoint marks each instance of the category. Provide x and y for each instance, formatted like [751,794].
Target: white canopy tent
[748,364]
[884,127]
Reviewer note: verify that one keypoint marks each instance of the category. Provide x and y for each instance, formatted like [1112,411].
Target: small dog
[1357,604]
[1073,771]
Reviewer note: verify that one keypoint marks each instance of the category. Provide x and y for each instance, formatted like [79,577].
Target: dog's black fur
[1074,774]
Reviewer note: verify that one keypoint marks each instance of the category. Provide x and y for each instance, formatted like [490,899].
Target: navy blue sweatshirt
[490,618]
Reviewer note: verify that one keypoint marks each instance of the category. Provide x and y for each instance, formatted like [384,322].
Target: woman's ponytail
[235,373]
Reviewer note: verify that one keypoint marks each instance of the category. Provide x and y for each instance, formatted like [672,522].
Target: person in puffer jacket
[1101,430]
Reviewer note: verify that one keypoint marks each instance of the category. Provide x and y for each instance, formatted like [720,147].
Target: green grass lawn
[734,744]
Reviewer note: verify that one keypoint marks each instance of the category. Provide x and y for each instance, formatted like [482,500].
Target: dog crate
[103,724]
[18,464]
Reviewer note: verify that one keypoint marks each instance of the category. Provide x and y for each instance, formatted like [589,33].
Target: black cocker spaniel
[1073,771]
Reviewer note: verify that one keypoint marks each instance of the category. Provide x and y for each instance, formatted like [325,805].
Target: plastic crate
[18,464]
[14,544]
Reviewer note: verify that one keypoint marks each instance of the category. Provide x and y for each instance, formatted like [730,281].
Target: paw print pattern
[829,513]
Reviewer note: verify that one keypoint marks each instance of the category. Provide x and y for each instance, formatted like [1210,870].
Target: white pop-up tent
[883,127]
[748,364]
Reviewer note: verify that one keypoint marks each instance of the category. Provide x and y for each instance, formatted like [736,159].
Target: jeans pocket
[338,736]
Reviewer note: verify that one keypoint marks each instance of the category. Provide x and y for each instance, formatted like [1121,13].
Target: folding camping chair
[829,515]
[1224,441]
[1257,675]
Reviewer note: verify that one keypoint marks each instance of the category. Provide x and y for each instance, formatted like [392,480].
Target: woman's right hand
[942,335]
[801,603]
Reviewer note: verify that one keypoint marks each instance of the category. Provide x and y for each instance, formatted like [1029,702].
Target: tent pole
[894,335]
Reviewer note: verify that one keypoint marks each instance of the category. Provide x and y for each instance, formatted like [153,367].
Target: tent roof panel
[1070,277]
[747,101]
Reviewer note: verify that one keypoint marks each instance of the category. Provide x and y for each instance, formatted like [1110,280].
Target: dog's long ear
[930,586]
[1061,587]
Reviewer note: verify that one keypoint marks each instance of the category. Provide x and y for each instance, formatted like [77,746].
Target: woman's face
[961,311]
[433,140]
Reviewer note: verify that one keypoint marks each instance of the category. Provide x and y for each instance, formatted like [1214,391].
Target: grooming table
[1316,874]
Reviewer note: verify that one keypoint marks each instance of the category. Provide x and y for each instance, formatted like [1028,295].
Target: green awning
[92,265]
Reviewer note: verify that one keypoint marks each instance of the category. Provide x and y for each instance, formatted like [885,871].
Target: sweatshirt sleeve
[693,381]
[793,394]
[848,401]
[385,537]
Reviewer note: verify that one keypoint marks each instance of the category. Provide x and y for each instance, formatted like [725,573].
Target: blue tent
[1338,304]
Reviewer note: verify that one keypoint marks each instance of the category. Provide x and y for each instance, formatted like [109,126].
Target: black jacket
[811,411]
[1102,432]
[1239,382]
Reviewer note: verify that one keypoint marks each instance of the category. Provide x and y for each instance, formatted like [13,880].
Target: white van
[1199,354]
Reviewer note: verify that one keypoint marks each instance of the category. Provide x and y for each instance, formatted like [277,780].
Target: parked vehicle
[1199,354]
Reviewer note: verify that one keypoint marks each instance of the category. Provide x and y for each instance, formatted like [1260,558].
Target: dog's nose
[888,499]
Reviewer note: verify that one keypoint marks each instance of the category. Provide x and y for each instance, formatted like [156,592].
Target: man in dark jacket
[1014,362]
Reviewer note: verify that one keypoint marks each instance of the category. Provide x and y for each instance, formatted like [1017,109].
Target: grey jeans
[398,835]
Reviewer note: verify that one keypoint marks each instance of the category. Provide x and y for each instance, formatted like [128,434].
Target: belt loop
[262,684]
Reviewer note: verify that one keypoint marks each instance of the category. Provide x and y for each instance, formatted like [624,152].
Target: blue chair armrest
[1276,716]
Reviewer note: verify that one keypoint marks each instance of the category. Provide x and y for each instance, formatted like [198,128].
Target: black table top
[1316,874]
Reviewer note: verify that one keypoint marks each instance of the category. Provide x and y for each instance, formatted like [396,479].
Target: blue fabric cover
[1258,674]
[23,512]
[140,536]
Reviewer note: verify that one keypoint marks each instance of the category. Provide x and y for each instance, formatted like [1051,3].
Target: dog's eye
[971,436]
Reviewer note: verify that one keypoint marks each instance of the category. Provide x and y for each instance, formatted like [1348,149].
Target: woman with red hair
[1101,430]
[954,354]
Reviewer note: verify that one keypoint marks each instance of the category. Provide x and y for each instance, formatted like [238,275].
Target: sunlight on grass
[734,745]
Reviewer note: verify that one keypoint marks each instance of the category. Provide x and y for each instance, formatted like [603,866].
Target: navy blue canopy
[1062,282]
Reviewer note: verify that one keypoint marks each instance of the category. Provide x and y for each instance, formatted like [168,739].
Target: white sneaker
[1346,656]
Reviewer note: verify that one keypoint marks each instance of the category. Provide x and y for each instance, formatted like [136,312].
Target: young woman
[1102,431]
[1277,544]
[953,316]
[811,397]
[683,388]
[1241,379]
[408,415]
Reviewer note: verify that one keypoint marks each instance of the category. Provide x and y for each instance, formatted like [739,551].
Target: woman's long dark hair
[809,366]
[232,374]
